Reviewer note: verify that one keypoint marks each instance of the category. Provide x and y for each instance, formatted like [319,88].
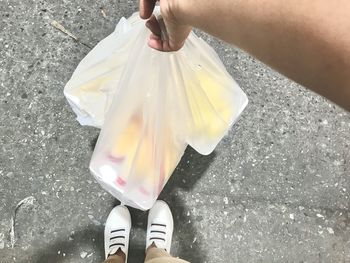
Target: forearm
[308,41]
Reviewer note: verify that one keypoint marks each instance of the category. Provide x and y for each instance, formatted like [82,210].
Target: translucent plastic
[92,86]
[157,103]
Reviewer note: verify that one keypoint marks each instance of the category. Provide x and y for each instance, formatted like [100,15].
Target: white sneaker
[117,231]
[160,226]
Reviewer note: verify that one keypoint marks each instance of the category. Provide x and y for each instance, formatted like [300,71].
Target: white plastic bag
[157,103]
[92,86]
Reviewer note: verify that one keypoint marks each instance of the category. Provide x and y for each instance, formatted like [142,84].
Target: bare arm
[308,41]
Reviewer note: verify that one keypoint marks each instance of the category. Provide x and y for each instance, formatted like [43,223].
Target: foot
[117,232]
[160,226]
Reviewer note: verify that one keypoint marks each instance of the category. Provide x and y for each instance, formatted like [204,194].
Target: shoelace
[157,232]
[117,239]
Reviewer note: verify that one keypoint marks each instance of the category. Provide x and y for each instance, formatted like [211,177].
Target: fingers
[169,44]
[153,25]
[155,42]
[158,39]
[167,34]
[177,35]
[146,8]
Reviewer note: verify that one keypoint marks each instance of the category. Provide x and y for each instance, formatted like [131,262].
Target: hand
[175,32]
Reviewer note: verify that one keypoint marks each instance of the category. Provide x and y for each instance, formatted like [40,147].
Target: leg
[114,259]
[158,255]
[155,252]
[117,232]
[159,234]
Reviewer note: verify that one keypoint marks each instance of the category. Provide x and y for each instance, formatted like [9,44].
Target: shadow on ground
[71,248]
[189,171]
